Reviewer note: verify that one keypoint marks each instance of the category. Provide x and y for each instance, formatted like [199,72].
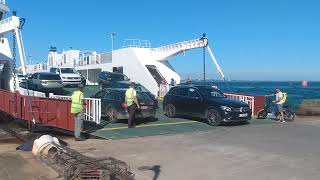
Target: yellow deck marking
[149,125]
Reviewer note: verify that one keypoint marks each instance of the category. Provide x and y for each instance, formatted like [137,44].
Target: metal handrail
[92,110]
[244,98]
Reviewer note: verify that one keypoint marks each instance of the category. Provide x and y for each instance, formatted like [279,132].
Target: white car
[69,76]
[21,78]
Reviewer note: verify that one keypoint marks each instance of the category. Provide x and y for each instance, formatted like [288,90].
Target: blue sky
[252,39]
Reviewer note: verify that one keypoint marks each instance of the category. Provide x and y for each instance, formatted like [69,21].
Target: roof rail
[138,43]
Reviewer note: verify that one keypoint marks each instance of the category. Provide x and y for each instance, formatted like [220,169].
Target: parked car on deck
[107,79]
[69,75]
[113,104]
[204,102]
[138,87]
[21,78]
[45,82]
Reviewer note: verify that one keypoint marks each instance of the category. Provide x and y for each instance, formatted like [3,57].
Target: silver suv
[45,82]
[69,75]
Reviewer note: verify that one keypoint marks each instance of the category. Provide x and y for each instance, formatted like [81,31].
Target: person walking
[172,83]
[132,104]
[77,107]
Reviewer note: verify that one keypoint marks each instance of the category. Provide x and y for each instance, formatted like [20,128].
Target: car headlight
[226,108]
[64,77]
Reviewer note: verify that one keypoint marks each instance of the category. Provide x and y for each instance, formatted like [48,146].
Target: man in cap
[77,107]
[132,104]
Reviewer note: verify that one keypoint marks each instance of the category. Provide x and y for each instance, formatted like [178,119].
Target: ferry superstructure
[141,63]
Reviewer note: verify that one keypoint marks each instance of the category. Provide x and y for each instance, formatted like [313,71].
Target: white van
[69,75]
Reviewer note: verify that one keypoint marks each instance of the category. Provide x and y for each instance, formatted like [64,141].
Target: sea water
[296,93]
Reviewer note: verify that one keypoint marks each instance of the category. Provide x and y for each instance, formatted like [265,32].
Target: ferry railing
[25,92]
[92,108]
[244,98]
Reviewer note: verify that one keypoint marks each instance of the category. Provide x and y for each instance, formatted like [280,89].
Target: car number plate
[243,115]
[51,82]
[144,107]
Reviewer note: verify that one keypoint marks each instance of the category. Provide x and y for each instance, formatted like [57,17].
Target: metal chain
[14,61]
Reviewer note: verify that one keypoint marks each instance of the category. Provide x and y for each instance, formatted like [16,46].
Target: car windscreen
[49,77]
[125,86]
[142,96]
[118,77]
[68,71]
[121,85]
[141,88]
[211,92]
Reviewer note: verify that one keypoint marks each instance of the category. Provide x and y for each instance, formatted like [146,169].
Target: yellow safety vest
[283,97]
[130,96]
[76,105]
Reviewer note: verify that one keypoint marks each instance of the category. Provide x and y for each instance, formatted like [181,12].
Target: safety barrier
[50,112]
[25,92]
[93,107]
[256,103]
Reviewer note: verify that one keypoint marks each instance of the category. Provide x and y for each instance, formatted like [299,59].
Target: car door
[194,103]
[112,100]
[180,100]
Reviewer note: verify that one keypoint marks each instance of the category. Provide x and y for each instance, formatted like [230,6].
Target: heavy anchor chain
[14,61]
[14,66]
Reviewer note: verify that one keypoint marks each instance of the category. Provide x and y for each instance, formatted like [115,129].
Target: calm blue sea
[296,93]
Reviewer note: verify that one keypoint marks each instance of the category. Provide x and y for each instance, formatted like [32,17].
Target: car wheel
[262,114]
[213,117]
[112,115]
[170,110]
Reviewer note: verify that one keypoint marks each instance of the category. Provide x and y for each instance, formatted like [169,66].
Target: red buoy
[304,83]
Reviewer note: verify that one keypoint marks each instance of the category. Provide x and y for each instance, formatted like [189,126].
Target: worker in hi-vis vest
[132,104]
[77,107]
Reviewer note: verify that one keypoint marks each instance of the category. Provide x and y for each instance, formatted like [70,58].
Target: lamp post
[205,44]
[112,44]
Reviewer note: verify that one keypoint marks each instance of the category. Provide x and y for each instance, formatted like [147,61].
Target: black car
[113,104]
[107,79]
[138,87]
[204,102]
